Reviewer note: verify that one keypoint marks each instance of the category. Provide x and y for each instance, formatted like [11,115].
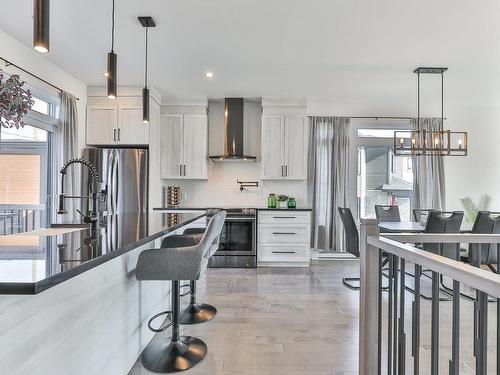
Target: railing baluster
[395,332]
[402,334]
[455,344]
[498,314]
[380,303]
[389,315]
[435,324]
[455,334]
[482,347]
[416,322]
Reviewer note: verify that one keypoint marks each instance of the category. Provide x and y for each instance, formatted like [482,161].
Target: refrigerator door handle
[116,178]
[109,182]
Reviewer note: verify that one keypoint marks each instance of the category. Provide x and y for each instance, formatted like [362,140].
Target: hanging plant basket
[14,101]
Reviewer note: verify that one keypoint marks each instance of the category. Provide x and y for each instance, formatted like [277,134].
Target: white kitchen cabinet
[184,146]
[284,238]
[116,122]
[101,124]
[284,147]
[273,146]
[132,131]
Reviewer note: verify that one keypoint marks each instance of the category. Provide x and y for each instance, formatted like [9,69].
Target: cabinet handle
[282,171]
[180,169]
[184,169]
[283,252]
[286,169]
[119,134]
[114,135]
[284,217]
[284,233]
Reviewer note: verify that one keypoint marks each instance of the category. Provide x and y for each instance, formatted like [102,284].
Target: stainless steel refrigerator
[125,173]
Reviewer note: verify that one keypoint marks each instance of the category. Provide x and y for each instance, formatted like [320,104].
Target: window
[382,178]
[42,106]
[25,167]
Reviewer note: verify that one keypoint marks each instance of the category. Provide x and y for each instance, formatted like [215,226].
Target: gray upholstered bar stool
[177,353]
[195,312]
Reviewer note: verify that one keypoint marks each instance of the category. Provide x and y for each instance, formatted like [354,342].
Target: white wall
[221,188]
[38,64]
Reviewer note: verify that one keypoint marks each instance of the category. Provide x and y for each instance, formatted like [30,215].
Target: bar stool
[195,312]
[177,353]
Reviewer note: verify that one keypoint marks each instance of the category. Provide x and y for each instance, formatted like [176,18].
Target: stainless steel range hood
[233,133]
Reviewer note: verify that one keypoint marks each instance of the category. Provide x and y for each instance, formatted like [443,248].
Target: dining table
[413,227]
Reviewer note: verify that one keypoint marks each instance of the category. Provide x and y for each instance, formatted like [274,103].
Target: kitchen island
[71,302]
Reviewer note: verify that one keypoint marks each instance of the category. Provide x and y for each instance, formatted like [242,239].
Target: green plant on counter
[470,208]
[282,198]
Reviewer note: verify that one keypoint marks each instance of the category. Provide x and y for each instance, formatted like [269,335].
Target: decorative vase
[292,203]
[271,201]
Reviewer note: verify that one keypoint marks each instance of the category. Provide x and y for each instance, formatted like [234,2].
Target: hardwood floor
[274,321]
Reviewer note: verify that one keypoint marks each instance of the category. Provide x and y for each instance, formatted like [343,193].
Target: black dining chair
[418,212]
[387,213]
[352,242]
[444,222]
[352,245]
[485,254]
[486,222]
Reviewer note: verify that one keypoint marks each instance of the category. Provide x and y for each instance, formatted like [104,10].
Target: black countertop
[30,264]
[194,208]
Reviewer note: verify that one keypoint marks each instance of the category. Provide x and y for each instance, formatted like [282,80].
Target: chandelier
[430,142]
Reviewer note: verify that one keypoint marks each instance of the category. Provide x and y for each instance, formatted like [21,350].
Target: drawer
[268,253]
[284,234]
[280,217]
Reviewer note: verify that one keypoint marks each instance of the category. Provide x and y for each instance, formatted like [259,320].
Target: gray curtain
[328,178]
[428,173]
[66,147]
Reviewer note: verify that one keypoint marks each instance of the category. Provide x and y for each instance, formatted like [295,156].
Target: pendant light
[41,25]
[112,58]
[425,142]
[146,22]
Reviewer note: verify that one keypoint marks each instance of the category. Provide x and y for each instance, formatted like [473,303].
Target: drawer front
[277,217]
[268,253]
[284,234]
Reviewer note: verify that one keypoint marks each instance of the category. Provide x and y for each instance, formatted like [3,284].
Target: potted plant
[283,201]
[471,209]
[14,101]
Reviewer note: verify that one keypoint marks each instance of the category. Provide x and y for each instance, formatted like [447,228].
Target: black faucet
[92,217]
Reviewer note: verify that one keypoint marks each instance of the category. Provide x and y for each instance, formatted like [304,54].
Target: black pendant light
[146,22]
[41,25]
[111,72]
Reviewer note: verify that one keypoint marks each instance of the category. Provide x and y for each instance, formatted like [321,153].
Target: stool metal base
[197,313]
[173,356]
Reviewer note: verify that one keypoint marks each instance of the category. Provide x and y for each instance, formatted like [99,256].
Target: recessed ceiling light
[210,75]
[105,74]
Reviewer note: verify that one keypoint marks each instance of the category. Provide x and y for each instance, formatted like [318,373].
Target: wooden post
[368,304]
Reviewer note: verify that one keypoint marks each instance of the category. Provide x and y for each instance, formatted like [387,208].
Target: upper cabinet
[117,122]
[284,147]
[184,146]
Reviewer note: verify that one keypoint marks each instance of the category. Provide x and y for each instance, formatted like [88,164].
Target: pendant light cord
[113,27]
[146,62]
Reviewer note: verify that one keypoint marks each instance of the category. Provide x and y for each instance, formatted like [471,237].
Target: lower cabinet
[284,238]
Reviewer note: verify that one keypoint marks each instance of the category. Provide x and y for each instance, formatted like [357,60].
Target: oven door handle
[239,219]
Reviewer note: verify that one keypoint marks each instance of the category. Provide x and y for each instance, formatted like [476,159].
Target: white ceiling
[343,50]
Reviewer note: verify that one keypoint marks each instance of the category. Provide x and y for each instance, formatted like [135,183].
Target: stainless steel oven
[238,240]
